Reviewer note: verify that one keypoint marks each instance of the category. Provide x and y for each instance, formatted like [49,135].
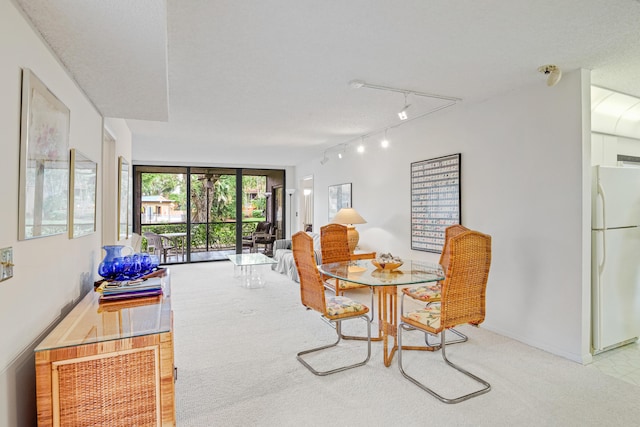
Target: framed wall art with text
[435,201]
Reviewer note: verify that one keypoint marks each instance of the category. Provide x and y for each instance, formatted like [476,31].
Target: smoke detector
[553,73]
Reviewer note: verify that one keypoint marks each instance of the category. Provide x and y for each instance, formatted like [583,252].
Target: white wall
[50,273]
[522,183]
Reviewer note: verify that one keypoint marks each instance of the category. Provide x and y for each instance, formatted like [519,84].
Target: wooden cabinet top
[92,321]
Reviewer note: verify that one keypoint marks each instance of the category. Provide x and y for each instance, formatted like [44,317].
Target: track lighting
[341,148]
[385,142]
[553,73]
[403,113]
[357,84]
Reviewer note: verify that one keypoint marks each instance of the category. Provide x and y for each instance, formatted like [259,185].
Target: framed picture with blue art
[339,197]
[44,161]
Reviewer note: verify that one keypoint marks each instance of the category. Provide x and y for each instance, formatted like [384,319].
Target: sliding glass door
[204,214]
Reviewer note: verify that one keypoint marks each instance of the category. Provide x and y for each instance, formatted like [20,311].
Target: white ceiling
[266,82]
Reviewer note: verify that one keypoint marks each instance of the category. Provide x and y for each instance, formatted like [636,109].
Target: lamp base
[353,236]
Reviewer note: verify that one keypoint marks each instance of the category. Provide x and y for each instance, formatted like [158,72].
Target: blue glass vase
[107,268]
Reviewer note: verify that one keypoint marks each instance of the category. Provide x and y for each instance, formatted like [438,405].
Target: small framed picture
[83,179]
[339,197]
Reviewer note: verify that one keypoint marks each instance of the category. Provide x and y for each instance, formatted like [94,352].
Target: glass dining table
[385,283]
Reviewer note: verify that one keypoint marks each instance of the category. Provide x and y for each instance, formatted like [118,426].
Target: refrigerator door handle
[604,229]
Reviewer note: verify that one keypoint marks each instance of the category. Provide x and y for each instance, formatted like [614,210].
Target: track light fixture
[385,142]
[357,84]
[403,113]
[553,73]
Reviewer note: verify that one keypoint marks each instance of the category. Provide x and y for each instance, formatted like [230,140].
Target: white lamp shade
[348,216]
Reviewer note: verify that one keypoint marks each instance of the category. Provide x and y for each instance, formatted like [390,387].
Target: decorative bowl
[391,265]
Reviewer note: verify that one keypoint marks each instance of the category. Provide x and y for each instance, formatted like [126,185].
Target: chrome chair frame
[486,386]
[463,338]
[324,347]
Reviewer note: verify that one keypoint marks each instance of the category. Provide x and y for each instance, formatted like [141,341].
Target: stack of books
[144,287]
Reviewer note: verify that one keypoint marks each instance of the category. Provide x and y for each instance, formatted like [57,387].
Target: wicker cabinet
[108,364]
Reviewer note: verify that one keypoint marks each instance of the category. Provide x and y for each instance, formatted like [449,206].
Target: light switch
[6,263]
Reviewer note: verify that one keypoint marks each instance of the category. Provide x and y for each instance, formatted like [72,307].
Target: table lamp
[348,217]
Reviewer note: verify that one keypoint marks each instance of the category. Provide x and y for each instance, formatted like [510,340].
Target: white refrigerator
[615,248]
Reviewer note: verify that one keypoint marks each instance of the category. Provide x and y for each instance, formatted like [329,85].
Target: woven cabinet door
[120,389]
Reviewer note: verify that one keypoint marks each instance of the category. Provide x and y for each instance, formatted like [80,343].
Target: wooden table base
[388,324]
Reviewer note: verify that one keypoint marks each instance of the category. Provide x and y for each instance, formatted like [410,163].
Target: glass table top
[92,321]
[251,259]
[365,273]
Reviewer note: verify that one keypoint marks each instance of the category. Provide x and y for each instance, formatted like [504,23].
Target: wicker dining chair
[334,244]
[462,302]
[334,309]
[431,292]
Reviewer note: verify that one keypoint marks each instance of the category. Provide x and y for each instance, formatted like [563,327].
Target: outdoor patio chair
[261,236]
[158,245]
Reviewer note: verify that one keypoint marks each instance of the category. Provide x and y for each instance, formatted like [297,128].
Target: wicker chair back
[449,232]
[465,283]
[334,243]
[311,286]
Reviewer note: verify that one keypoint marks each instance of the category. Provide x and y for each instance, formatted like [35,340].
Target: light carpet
[235,349]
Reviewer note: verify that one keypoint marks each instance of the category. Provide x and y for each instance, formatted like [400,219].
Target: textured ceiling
[116,51]
[267,82]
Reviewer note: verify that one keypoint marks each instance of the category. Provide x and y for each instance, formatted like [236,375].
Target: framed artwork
[124,189]
[339,197]
[83,180]
[435,201]
[44,161]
